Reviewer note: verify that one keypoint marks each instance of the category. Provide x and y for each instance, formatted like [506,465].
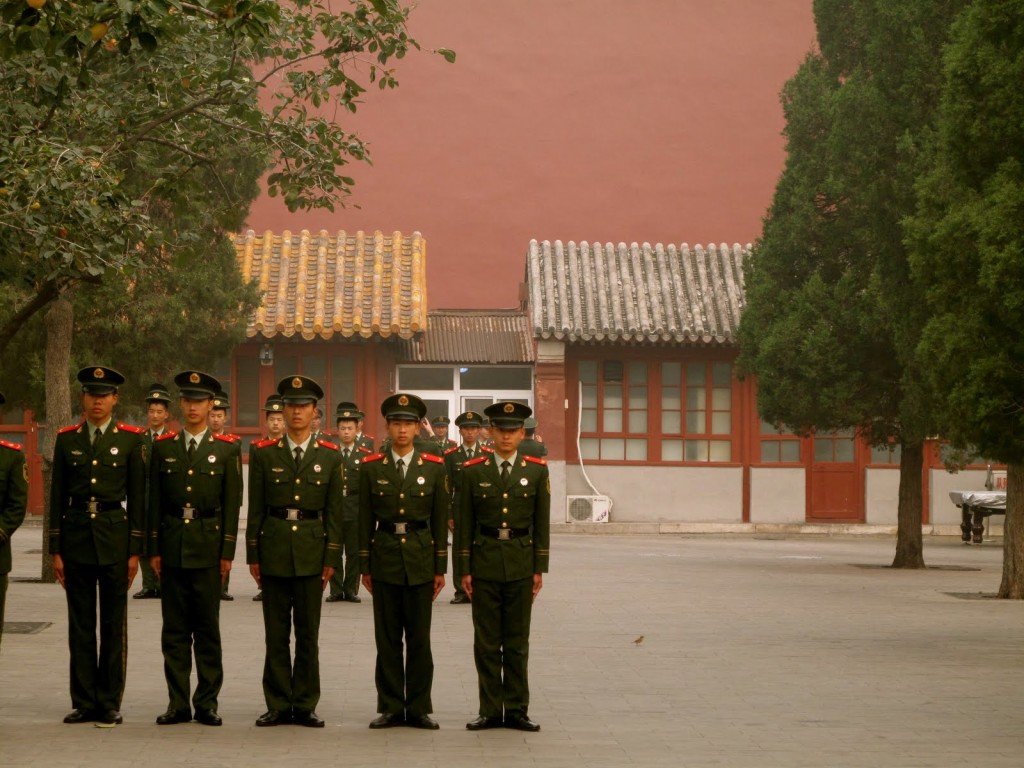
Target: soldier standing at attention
[503,535]
[216,420]
[195,491]
[362,440]
[13,499]
[293,545]
[158,403]
[469,430]
[96,542]
[439,426]
[403,552]
[531,446]
[273,410]
[345,584]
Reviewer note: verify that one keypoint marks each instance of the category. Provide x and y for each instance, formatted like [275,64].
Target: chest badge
[316,467]
[485,485]
[382,481]
[211,458]
[421,480]
[277,469]
[523,481]
[76,453]
[113,451]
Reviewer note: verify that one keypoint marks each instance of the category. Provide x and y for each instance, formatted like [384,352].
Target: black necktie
[96,436]
[401,467]
[344,454]
[298,455]
[191,448]
[504,471]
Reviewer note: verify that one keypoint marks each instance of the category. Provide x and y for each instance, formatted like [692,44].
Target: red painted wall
[602,120]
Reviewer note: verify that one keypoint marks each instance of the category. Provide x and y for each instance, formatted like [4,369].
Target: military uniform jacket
[421,498]
[531,447]
[350,474]
[13,497]
[210,484]
[105,476]
[523,502]
[294,547]
[365,441]
[454,459]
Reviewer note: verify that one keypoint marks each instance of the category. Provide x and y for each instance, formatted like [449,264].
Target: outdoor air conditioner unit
[587,509]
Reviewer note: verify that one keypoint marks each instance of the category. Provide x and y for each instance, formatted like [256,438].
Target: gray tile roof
[637,293]
[472,336]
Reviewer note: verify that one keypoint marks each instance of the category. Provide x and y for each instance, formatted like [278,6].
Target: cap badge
[276,407]
[113,451]
[347,413]
[509,408]
[470,415]
[153,395]
[403,400]
[193,377]
[98,373]
[297,383]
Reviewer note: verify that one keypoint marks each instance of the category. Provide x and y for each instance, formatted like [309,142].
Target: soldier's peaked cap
[402,406]
[99,380]
[508,415]
[221,401]
[158,393]
[469,419]
[298,390]
[274,404]
[196,385]
[348,410]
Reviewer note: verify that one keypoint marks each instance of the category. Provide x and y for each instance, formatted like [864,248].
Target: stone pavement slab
[757,651]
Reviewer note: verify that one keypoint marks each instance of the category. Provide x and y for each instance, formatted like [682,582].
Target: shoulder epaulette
[266,442]
[475,460]
[327,444]
[433,458]
[451,450]
[167,435]
[535,460]
[69,428]
[130,428]
[226,438]
[364,449]
[373,457]
[12,446]
[486,449]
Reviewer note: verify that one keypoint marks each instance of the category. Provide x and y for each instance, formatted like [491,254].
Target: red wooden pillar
[554,423]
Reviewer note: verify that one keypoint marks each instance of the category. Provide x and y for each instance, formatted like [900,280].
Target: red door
[834,491]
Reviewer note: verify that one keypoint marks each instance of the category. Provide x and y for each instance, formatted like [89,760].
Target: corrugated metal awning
[472,336]
[636,293]
[346,283]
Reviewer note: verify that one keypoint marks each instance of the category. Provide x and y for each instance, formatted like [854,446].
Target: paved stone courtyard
[756,651]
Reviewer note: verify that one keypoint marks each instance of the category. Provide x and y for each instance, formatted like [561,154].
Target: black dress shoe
[110,717]
[353,599]
[460,599]
[226,596]
[258,597]
[208,717]
[520,722]
[484,723]
[308,719]
[387,720]
[335,598]
[273,717]
[172,716]
[79,716]
[426,722]
[147,594]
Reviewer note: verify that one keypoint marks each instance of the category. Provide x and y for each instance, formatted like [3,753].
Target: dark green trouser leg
[350,539]
[149,579]
[190,600]
[3,600]
[97,680]
[501,644]
[285,599]
[402,612]
[457,571]
[226,583]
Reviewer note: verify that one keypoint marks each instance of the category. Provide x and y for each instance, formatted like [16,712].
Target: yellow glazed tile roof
[350,283]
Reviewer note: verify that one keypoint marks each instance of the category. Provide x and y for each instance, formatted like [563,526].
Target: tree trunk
[59,327]
[1012,586]
[909,541]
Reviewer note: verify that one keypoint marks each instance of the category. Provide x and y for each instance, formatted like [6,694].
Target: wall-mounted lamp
[266,355]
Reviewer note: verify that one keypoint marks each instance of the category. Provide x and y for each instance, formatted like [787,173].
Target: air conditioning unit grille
[587,509]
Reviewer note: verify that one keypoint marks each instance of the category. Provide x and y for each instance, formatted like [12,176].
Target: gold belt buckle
[401,528]
[292,514]
[188,513]
[504,534]
[93,507]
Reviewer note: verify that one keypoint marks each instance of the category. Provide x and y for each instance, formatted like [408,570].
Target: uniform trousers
[501,644]
[346,580]
[190,603]
[292,601]
[403,611]
[97,680]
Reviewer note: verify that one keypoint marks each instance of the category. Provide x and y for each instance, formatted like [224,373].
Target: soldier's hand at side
[133,568]
[538,584]
[58,569]
[154,563]
[438,584]
[368,582]
[467,586]
[225,569]
[451,525]
[326,577]
[254,569]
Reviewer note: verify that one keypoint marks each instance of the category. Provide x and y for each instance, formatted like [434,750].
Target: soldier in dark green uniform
[503,534]
[195,491]
[469,424]
[362,440]
[345,583]
[293,545]
[530,446]
[96,542]
[403,552]
[217,421]
[158,404]
[273,424]
[439,426]
[13,498]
